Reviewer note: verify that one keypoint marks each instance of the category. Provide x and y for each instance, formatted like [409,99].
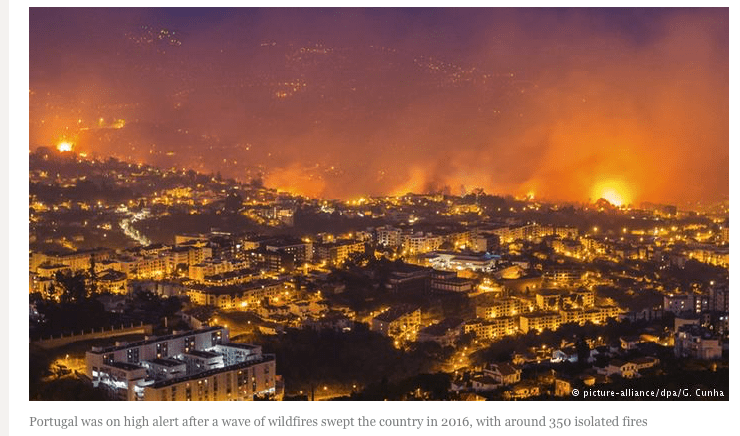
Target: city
[479,295]
[176,257]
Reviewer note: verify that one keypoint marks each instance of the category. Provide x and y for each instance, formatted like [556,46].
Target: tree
[233,202]
[51,292]
[93,275]
[584,351]
[447,245]
[181,270]
[74,286]
[257,183]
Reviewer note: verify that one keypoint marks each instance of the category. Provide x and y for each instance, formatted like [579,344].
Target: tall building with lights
[196,365]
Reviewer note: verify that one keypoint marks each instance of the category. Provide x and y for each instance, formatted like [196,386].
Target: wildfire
[64,146]
[615,192]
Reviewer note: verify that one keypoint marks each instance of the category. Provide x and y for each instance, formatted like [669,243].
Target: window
[162,350]
[189,343]
[132,355]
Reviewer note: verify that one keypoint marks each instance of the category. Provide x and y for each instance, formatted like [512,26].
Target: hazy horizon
[565,104]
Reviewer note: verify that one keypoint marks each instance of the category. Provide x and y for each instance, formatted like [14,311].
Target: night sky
[566,104]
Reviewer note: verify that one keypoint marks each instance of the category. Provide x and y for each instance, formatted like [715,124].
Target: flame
[415,182]
[615,192]
[295,180]
[613,197]
[64,146]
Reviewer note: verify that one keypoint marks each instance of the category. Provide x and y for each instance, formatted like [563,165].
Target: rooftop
[166,362]
[125,366]
[204,374]
[203,354]
[101,350]
[394,313]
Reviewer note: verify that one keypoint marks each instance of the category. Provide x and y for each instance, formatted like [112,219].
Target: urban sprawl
[167,284]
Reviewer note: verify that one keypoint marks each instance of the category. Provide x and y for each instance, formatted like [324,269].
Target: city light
[295,211]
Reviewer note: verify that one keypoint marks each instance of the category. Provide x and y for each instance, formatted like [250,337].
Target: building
[580,298]
[719,297]
[50,270]
[337,252]
[300,250]
[420,242]
[522,390]
[503,373]
[645,362]
[42,285]
[539,321]
[566,232]
[679,303]
[548,299]
[563,387]
[331,320]
[697,343]
[273,261]
[504,306]
[76,260]
[563,274]
[210,267]
[480,262]
[445,333]
[308,308]
[620,368]
[483,383]
[113,282]
[388,236]
[239,296]
[452,284]
[492,328]
[686,319]
[568,247]
[508,271]
[511,234]
[406,278]
[155,261]
[402,322]
[596,315]
[197,365]
[234,277]
[481,244]
[718,256]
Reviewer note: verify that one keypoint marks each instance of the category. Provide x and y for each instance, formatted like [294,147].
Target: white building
[389,236]
[698,343]
[198,365]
